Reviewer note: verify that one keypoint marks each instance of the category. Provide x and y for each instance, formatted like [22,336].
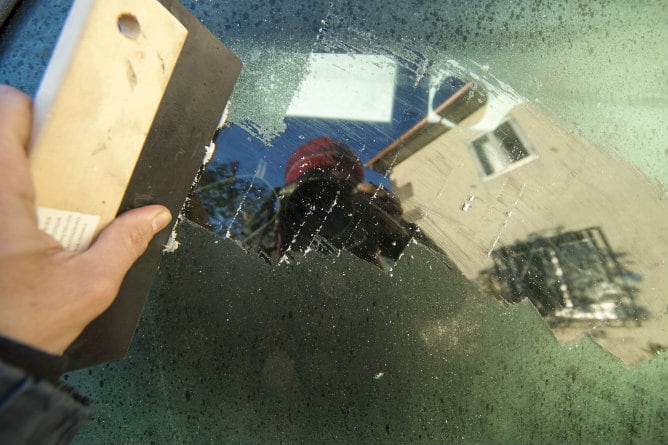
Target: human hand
[49,295]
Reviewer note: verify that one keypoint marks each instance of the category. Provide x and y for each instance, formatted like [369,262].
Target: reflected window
[501,150]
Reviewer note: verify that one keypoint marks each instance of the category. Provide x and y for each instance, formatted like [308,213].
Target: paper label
[73,230]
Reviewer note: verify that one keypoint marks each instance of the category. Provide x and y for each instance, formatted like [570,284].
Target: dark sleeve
[39,364]
[35,411]
[34,408]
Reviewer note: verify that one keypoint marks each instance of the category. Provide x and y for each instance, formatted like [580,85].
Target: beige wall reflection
[528,209]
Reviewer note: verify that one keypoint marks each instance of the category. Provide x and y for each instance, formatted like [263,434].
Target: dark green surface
[232,350]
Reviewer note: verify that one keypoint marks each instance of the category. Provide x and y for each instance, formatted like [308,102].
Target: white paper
[73,230]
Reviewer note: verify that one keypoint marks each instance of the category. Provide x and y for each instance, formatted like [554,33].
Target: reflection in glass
[570,276]
[529,210]
[324,204]
[523,207]
[311,191]
[498,150]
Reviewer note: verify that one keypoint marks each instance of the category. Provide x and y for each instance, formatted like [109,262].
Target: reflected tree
[233,202]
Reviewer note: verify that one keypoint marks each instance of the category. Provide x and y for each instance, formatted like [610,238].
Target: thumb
[124,240]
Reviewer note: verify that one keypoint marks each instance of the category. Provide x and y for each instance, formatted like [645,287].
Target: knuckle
[137,239]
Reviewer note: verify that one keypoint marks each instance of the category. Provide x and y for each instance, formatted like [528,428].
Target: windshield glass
[423,222]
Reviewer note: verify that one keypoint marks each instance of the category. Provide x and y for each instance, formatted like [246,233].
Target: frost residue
[172,244]
[209,151]
[501,97]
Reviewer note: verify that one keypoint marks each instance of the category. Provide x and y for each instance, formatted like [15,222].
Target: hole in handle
[128,25]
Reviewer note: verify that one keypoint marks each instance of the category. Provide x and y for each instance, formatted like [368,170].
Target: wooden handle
[94,108]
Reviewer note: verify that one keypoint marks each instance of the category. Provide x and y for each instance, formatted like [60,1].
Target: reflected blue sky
[235,145]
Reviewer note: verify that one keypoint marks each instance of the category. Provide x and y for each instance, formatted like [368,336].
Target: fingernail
[160,221]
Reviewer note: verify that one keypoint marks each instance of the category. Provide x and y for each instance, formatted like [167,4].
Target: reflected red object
[324,153]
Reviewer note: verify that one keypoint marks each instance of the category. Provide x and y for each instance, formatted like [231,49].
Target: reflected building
[529,210]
